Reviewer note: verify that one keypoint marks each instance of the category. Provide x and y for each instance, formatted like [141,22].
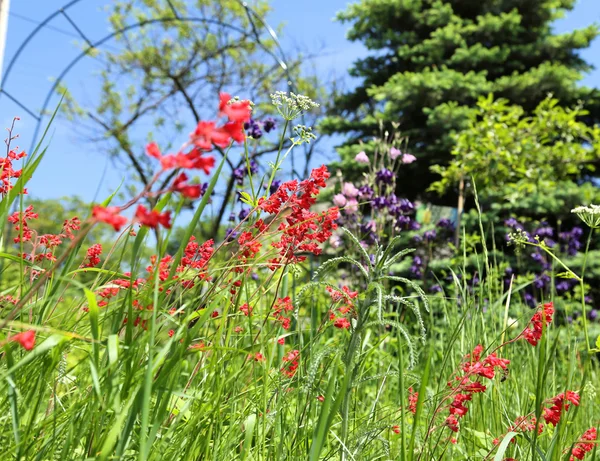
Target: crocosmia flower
[25,339]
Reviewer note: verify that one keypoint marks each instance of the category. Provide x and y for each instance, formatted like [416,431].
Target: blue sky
[71,166]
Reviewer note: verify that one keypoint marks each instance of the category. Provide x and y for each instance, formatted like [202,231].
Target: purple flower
[238,174]
[379,203]
[365,193]
[232,217]
[417,238]
[403,222]
[385,176]
[244,212]
[406,205]
[593,315]
[445,223]
[529,300]
[253,130]
[254,276]
[274,186]
[414,225]
[269,124]
[544,231]
[541,281]
[537,256]
[230,234]
[563,286]
[395,153]
[512,223]
[430,235]
[435,289]
[253,167]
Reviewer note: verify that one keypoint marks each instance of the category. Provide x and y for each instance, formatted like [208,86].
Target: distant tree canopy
[432,60]
[158,80]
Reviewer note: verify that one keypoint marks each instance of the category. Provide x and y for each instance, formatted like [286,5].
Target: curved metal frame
[252,16]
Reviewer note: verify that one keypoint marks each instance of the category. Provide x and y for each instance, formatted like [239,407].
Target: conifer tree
[431,60]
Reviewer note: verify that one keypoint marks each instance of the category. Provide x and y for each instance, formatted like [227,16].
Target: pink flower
[349,190]
[361,157]
[395,153]
[335,241]
[339,200]
[351,206]
[408,158]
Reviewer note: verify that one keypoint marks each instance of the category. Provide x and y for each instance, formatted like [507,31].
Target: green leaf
[504,446]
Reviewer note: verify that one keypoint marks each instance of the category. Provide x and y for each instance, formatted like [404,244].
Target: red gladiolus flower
[25,339]
[153,218]
[109,215]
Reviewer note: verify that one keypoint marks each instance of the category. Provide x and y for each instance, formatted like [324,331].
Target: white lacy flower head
[589,215]
[293,105]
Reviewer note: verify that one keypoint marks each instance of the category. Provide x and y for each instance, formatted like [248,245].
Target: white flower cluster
[589,215]
[304,133]
[293,105]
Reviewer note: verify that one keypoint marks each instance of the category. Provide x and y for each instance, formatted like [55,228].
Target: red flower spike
[25,339]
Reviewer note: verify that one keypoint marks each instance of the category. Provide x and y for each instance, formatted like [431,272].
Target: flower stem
[581,281]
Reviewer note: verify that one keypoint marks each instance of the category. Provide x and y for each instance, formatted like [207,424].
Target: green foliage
[432,60]
[509,153]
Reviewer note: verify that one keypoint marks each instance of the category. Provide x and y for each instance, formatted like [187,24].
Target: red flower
[153,218]
[452,423]
[584,446]
[342,322]
[246,309]
[235,111]
[538,322]
[153,151]
[187,190]
[92,256]
[413,398]
[553,414]
[396,429]
[25,339]
[291,363]
[109,215]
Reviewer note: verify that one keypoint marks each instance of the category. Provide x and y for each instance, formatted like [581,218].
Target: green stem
[583,312]
[348,363]
[276,167]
